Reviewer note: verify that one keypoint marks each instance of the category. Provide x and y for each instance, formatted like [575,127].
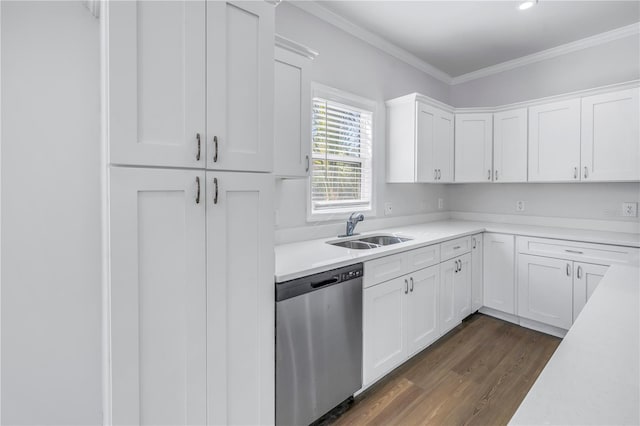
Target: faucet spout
[352,222]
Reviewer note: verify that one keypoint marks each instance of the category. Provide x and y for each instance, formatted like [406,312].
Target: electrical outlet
[630,209]
[519,206]
[388,209]
[440,203]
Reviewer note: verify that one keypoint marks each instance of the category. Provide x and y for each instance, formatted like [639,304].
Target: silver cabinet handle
[489,174]
[411,279]
[307,158]
[496,173]
[474,243]
[215,191]
[198,139]
[573,251]
[456,268]
[579,272]
[568,270]
[575,173]
[435,174]
[456,248]
[406,286]
[198,191]
[215,149]
[439,174]
[460,267]
[586,172]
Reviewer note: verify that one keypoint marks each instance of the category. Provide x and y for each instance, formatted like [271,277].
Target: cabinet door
[443,153]
[510,146]
[586,278]
[292,92]
[426,163]
[240,298]
[498,271]
[156,74]
[545,290]
[554,141]
[462,287]
[476,272]
[473,147]
[448,316]
[422,312]
[240,70]
[384,327]
[610,135]
[158,296]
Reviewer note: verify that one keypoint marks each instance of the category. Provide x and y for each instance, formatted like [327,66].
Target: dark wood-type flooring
[478,374]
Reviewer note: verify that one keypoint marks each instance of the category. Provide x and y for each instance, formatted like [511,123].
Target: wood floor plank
[478,374]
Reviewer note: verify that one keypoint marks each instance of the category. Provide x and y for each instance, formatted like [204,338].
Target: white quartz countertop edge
[300,259]
[593,378]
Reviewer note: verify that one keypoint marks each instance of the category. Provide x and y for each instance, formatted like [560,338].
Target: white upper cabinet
[473,147]
[554,142]
[240,46]
[155,71]
[292,108]
[420,142]
[510,146]
[611,136]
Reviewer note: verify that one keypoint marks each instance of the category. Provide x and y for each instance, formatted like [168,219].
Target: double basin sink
[369,242]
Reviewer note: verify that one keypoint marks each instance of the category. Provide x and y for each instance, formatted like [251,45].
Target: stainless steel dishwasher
[318,343]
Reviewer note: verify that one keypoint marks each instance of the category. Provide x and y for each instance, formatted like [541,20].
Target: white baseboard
[523,322]
[560,222]
[324,230]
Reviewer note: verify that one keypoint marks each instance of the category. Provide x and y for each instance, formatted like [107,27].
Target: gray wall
[610,63]
[51,326]
[349,64]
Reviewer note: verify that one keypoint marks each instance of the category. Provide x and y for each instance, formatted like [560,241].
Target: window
[341,178]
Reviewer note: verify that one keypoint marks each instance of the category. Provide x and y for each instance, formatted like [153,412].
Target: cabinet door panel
[554,141]
[510,146]
[240,298]
[422,322]
[292,92]
[444,148]
[156,74]
[610,135]
[384,327]
[426,163]
[476,272]
[158,297]
[586,278]
[448,317]
[462,287]
[240,70]
[545,290]
[473,147]
[498,271]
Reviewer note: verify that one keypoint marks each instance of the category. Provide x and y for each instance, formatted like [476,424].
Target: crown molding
[375,40]
[295,47]
[596,40]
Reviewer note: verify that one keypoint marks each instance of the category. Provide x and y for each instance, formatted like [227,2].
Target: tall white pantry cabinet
[188,129]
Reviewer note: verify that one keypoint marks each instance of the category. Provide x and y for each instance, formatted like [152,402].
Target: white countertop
[296,260]
[593,378]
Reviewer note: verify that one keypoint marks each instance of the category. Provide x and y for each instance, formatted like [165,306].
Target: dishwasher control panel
[351,274]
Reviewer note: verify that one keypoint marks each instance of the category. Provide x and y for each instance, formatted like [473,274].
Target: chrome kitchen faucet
[352,222]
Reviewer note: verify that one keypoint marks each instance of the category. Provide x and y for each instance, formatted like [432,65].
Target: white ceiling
[459,37]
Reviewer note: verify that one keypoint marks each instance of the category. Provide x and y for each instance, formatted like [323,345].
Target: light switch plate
[630,209]
[519,206]
[388,209]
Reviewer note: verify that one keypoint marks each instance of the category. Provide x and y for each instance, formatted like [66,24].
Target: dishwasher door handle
[328,281]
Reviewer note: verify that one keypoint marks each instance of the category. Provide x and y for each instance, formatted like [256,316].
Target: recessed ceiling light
[526,5]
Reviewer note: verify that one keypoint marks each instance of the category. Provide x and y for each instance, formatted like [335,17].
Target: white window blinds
[341,173]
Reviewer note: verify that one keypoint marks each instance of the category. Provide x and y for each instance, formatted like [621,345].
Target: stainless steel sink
[369,242]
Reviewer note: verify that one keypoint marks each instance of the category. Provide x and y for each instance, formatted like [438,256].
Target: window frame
[358,102]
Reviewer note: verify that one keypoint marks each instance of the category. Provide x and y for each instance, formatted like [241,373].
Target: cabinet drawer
[423,257]
[453,248]
[583,252]
[384,268]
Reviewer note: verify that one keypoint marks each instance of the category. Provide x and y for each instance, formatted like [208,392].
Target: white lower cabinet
[422,312]
[545,290]
[462,287]
[587,276]
[499,272]
[448,317]
[192,305]
[476,272]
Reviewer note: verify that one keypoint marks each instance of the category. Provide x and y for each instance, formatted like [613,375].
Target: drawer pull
[574,251]
[568,270]
[456,248]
